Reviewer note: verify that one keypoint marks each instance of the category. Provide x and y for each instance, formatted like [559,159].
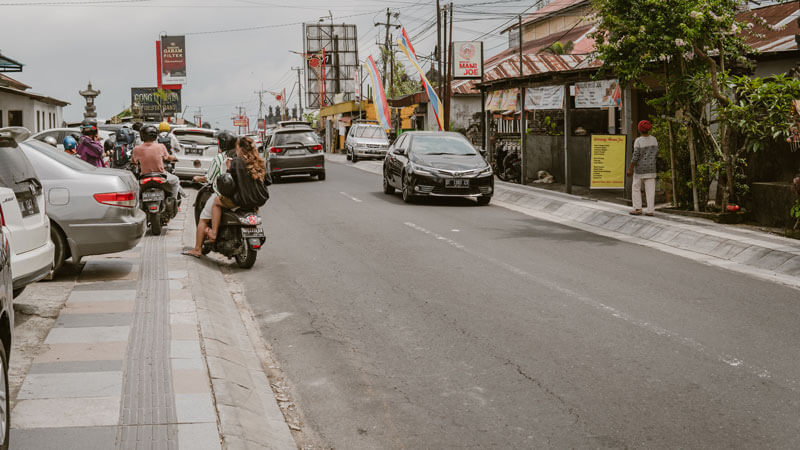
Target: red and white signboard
[467,60]
[173,59]
[241,121]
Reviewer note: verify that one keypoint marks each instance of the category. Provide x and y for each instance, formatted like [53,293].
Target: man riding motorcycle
[151,157]
[167,139]
[90,149]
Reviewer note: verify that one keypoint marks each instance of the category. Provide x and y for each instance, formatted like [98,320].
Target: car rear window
[68,160]
[16,172]
[295,137]
[371,133]
[195,137]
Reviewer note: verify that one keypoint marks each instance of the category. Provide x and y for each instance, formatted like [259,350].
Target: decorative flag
[408,49]
[378,94]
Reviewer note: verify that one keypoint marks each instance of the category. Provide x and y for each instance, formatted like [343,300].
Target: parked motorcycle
[512,167]
[498,159]
[157,200]
[240,234]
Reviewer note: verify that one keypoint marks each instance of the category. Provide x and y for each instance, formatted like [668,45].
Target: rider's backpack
[164,139]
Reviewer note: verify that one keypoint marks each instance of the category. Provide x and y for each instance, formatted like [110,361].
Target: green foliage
[403,83]
[795,211]
[558,48]
[763,110]
[551,127]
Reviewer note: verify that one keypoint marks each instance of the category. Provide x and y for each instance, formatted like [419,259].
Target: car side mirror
[399,151]
[482,152]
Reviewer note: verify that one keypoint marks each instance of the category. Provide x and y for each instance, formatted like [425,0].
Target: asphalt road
[443,324]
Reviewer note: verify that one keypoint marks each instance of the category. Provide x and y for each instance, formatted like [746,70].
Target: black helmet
[226,141]
[89,127]
[149,133]
[225,185]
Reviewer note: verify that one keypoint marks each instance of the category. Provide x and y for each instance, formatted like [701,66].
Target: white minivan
[22,212]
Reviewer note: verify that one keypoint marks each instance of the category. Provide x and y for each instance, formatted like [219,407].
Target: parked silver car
[199,149]
[60,133]
[93,211]
[366,140]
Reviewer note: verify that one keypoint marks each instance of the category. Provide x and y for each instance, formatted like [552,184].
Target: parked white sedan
[199,149]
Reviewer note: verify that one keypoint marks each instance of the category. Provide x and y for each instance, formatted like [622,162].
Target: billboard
[598,94]
[173,59]
[331,57]
[151,104]
[467,60]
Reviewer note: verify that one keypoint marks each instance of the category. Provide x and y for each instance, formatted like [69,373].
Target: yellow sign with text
[608,162]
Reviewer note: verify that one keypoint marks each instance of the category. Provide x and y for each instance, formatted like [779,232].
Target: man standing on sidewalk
[643,169]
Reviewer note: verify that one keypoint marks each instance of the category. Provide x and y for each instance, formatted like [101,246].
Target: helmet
[225,185]
[89,127]
[149,133]
[51,140]
[163,126]
[70,143]
[226,141]
[108,144]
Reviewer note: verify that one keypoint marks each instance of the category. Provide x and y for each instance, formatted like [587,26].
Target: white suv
[22,212]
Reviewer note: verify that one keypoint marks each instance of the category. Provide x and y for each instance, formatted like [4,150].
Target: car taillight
[275,150]
[2,217]
[123,199]
[149,179]
[316,148]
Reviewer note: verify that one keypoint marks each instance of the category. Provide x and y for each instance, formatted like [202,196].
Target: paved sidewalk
[123,365]
[759,254]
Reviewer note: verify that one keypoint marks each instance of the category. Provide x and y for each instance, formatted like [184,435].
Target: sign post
[608,162]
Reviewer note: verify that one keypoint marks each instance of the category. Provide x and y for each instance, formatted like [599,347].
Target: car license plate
[152,196]
[28,207]
[456,183]
[194,151]
[295,152]
[250,232]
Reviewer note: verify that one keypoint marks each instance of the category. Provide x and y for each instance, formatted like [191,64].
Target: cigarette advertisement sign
[548,97]
[148,99]
[598,94]
[608,162]
[467,60]
[173,59]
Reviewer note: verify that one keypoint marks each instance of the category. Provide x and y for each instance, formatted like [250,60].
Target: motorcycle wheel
[247,259]
[155,224]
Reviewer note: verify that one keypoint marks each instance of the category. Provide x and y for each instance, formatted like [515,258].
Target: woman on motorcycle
[249,172]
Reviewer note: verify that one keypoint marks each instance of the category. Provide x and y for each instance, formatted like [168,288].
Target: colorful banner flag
[438,108]
[378,94]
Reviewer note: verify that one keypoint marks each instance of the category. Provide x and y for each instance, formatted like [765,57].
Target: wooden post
[567,174]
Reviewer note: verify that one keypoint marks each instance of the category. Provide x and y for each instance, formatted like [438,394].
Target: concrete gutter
[766,256]
[249,416]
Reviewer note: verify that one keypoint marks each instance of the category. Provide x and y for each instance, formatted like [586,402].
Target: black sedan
[440,164]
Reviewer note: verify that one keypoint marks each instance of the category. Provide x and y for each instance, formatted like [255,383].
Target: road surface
[443,324]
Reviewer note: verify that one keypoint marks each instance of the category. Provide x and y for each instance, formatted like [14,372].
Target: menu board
[608,162]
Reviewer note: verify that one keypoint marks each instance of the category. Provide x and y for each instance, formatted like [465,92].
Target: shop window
[15,118]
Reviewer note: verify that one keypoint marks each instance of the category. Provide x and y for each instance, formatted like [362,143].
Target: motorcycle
[240,234]
[512,167]
[497,162]
[157,200]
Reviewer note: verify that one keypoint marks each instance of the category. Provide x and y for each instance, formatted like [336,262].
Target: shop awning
[9,65]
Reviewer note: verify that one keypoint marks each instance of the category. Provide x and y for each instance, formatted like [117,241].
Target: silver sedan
[93,211]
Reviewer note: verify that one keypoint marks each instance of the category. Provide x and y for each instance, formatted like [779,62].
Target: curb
[249,416]
[771,257]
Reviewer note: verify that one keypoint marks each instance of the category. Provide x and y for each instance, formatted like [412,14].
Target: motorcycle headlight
[421,170]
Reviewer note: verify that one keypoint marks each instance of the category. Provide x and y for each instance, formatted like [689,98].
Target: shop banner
[493,99]
[608,162]
[173,59]
[598,94]
[509,102]
[150,102]
[548,97]
[467,62]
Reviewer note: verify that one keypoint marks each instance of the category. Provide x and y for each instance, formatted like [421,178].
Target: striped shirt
[645,152]
[215,169]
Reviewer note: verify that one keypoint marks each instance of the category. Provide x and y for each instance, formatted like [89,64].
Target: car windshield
[15,169]
[295,137]
[195,137]
[371,133]
[441,145]
[61,157]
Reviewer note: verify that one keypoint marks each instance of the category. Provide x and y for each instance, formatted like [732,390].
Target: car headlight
[421,170]
[486,171]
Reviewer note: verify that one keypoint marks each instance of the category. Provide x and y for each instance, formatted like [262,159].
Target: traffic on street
[430,224]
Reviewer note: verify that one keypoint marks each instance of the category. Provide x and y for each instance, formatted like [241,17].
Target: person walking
[643,169]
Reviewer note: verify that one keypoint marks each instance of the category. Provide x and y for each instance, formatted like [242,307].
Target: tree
[403,84]
[689,46]
[557,48]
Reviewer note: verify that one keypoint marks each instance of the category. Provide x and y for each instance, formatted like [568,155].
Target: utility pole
[439,44]
[522,125]
[387,40]
[447,90]
[299,88]
[391,62]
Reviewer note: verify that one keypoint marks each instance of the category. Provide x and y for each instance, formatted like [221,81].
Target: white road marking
[351,197]
[729,360]
[455,231]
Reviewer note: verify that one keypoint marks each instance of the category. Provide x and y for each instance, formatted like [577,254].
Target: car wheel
[5,402]
[354,158]
[321,176]
[387,188]
[484,200]
[348,156]
[60,244]
[408,197]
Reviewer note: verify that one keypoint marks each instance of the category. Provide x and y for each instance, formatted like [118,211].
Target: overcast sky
[112,43]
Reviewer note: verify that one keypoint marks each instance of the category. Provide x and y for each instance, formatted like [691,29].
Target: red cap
[645,126]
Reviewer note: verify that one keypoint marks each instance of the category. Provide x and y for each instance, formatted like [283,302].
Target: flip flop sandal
[187,252]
